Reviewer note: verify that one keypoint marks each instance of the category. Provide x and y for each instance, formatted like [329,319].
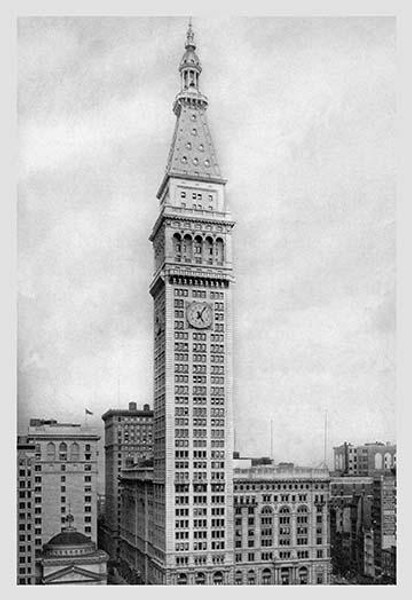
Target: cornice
[183,214]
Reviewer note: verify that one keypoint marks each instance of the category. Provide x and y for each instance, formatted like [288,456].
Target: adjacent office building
[26,556]
[57,474]
[281,533]
[280,528]
[65,478]
[366,460]
[128,438]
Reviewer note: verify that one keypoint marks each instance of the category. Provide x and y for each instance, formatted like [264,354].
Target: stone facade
[65,478]
[192,296]
[71,558]
[280,535]
[128,438]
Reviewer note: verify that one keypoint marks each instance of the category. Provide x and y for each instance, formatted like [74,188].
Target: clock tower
[191,539]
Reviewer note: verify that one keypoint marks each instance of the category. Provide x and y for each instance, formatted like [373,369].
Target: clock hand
[199,315]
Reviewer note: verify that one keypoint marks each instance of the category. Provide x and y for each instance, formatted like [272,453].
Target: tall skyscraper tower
[192,293]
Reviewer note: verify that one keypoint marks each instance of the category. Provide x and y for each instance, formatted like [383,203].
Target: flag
[88,412]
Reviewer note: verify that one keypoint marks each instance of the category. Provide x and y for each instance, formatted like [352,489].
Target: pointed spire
[190,67]
[190,36]
[192,153]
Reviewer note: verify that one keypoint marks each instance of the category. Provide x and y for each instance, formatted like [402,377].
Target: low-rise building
[281,525]
[72,558]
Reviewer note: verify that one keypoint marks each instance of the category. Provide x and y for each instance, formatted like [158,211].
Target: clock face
[199,315]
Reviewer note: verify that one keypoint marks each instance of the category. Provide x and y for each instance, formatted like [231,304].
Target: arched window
[266,577]
[63,451]
[378,461]
[182,579]
[74,452]
[251,578]
[51,451]
[387,460]
[198,249]
[208,257]
[266,510]
[219,251]
[177,247]
[187,249]
[238,578]
[284,513]
[218,578]
[200,579]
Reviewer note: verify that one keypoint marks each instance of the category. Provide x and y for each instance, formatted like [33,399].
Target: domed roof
[69,538]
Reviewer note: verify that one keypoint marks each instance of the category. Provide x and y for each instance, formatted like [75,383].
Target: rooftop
[278,472]
[132,411]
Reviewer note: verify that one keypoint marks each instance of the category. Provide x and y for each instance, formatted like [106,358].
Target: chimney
[132,406]
[146,407]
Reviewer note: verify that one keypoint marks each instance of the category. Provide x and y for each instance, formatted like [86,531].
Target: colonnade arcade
[198,249]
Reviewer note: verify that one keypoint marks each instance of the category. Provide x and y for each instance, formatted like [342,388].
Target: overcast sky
[302,112]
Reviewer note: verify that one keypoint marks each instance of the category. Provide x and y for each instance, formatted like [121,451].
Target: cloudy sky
[302,111]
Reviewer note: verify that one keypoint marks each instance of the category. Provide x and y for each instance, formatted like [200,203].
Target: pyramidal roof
[192,153]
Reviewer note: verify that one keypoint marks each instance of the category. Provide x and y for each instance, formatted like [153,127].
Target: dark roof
[69,538]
